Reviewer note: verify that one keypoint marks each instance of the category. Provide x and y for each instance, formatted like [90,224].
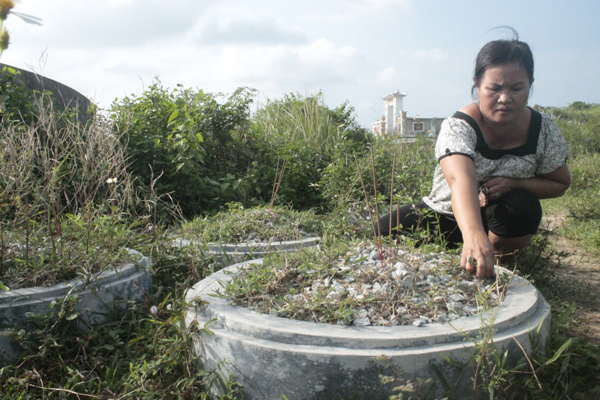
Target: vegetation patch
[262,224]
[359,285]
[72,197]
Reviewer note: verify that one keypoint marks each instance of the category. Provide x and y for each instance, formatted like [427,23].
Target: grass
[259,224]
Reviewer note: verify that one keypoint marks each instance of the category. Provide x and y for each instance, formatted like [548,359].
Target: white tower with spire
[394,112]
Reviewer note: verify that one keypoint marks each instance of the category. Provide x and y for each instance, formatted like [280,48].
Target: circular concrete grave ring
[230,254]
[98,300]
[271,356]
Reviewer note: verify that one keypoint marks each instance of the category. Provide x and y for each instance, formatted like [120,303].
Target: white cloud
[432,55]
[249,31]
[96,23]
[387,76]
[333,17]
[105,74]
[358,50]
[286,68]
[381,6]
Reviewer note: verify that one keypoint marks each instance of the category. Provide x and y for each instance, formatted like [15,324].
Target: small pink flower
[153,310]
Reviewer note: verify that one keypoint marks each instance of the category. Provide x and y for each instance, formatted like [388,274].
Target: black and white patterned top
[544,152]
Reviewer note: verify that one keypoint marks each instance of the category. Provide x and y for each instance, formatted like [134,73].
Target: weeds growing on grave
[333,285]
[146,355]
[64,190]
[258,224]
[65,197]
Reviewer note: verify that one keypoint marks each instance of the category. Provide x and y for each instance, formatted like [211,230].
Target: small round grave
[98,299]
[230,254]
[241,234]
[272,356]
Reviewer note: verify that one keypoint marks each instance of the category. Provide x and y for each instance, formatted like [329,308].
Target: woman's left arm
[544,186]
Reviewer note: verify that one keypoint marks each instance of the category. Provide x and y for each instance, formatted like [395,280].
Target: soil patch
[579,278]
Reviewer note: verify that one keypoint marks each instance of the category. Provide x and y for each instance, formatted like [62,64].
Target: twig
[65,390]
[529,361]
[375,187]
[391,205]
[275,180]
[1,246]
[379,246]
[397,224]
[278,180]
[362,181]
[498,279]
[27,240]
[477,373]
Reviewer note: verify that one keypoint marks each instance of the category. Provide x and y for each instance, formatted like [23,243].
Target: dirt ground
[579,276]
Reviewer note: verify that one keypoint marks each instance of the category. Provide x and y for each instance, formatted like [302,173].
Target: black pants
[515,214]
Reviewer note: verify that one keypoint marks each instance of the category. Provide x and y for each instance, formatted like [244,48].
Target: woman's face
[503,93]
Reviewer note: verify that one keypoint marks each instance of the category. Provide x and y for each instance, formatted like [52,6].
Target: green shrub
[580,125]
[185,144]
[17,103]
[415,163]
[584,171]
[306,133]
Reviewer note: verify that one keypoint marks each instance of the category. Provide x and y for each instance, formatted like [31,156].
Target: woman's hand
[497,186]
[478,255]
[545,186]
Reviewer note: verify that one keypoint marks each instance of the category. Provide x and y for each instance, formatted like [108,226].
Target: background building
[396,122]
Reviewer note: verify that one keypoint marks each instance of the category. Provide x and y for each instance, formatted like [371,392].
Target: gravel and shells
[359,288]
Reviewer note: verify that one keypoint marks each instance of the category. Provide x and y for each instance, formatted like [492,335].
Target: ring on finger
[497,194]
[469,260]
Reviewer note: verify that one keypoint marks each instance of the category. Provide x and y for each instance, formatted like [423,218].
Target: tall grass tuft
[61,185]
[298,119]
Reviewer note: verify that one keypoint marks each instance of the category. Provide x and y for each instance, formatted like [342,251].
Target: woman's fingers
[478,262]
[485,270]
[470,265]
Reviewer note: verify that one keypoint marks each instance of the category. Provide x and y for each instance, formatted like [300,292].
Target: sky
[350,50]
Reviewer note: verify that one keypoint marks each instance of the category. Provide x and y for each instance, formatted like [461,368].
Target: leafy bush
[185,144]
[413,174]
[17,103]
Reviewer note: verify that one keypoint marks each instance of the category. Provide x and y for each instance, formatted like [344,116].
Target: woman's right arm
[459,172]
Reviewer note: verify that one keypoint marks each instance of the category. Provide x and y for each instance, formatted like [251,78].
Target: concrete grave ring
[272,356]
[235,253]
[97,300]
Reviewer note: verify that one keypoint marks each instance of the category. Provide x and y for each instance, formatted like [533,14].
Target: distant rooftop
[396,94]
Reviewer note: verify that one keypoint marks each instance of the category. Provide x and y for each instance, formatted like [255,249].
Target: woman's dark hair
[500,52]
